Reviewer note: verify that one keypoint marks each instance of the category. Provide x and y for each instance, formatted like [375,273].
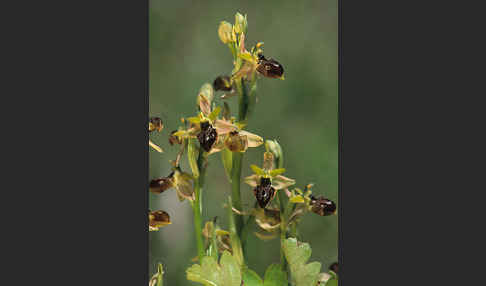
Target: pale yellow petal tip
[297,199]
[282,77]
[155,147]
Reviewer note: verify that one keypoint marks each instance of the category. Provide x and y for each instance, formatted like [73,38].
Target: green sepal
[192,154]
[257,170]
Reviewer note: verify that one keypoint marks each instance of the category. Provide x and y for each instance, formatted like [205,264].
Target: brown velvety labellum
[207,137]
[264,192]
[323,206]
[222,83]
[269,68]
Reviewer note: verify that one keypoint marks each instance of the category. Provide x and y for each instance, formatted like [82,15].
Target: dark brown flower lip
[222,83]
[264,193]
[269,67]
[157,124]
[334,267]
[265,181]
[160,185]
[158,217]
[208,136]
[204,125]
[322,206]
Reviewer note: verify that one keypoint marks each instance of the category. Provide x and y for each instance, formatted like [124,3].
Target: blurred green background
[301,112]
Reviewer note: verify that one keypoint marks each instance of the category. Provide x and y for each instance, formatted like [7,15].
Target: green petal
[214,114]
[277,172]
[257,170]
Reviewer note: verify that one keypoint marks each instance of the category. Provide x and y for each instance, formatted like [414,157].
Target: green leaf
[257,170]
[277,172]
[214,114]
[333,274]
[157,279]
[297,254]
[227,158]
[209,273]
[332,282]
[160,273]
[192,154]
[251,278]
[231,270]
[275,276]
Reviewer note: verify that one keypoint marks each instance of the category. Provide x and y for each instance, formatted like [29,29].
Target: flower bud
[225,32]
[268,161]
[240,24]
[275,149]
[205,97]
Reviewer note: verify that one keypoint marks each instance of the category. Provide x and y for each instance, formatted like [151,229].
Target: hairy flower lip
[322,206]
[222,83]
[334,267]
[269,67]
[264,193]
[160,185]
[158,219]
[207,136]
[155,123]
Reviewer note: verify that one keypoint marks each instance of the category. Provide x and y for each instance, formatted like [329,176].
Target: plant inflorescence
[279,206]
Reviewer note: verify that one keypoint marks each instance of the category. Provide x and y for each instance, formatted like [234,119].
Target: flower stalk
[197,204]
[235,189]
[237,158]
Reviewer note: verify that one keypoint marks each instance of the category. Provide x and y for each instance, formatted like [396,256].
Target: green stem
[244,100]
[235,189]
[197,205]
[250,222]
[238,157]
[283,215]
[283,231]
[235,238]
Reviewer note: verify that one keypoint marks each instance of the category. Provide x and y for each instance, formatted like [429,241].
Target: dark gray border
[80,149]
[407,132]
